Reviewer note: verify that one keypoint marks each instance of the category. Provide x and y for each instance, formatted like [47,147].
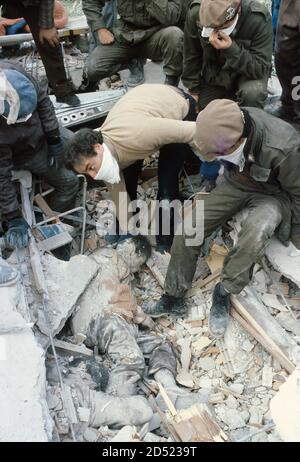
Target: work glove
[55,154]
[17,235]
[296,241]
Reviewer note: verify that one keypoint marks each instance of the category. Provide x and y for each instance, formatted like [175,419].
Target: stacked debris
[211,390]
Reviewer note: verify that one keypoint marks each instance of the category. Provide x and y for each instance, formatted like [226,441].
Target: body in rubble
[109,317]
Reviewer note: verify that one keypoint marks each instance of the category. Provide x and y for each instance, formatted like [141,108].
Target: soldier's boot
[71,99]
[172,80]
[137,76]
[167,305]
[219,312]
[8,275]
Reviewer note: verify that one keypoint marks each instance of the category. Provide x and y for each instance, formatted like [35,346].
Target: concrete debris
[286,260]
[24,415]
[95,307]
[65,286]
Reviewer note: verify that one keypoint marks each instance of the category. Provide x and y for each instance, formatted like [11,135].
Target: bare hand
[220,41]
[50,35]
[105,37]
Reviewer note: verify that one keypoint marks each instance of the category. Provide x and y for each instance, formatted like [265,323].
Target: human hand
[50,36]
[220,41]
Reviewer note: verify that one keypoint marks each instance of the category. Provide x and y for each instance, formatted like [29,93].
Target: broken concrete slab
[24,415]
[286,260]
[66,281]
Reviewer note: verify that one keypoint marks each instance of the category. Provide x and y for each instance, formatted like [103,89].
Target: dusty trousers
[51,56]
[165,44]
[265,215]
[126,346]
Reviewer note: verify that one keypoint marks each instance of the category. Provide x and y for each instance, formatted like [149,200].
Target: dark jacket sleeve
[166,12]
[290,181]
[192,52]
[47,113]
[46,14]
[93,12]
[254,62]
[8,196]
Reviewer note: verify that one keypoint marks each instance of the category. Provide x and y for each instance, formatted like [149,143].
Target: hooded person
[227,54]
[261,160]
[30,139]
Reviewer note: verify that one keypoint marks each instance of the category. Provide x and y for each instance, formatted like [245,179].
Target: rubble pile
[226,387]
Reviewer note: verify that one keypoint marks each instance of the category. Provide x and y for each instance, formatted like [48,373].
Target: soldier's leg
[106,60]
[166,44]
[287,61]
[64,181]
[219,206]
[252,93]
[51,56]
[265,215]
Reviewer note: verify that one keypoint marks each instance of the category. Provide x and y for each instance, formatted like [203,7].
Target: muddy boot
[167,305]
[8,275]
[87,86]
[136,76]
[219,312]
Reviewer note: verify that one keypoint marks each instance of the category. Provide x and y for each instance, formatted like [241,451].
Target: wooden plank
[257,331]
[40,201]
[196,424]
[73,349]
[167,400]
[204,282]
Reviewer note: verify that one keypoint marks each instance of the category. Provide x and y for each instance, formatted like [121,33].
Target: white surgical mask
[207,31]
[237,157]
[109,170]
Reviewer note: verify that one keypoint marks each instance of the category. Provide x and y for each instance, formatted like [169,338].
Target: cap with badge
[214,14]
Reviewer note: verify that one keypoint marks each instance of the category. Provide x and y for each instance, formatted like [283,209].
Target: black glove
[17,235]
[55,153]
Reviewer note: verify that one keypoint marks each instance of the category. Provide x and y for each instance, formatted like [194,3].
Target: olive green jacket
[138,19]
[250,54]
[273,153]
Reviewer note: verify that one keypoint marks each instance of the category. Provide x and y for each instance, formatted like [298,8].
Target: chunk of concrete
[286,260]
[24,415]
[66,282]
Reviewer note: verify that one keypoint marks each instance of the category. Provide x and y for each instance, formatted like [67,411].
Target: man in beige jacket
[148,119]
